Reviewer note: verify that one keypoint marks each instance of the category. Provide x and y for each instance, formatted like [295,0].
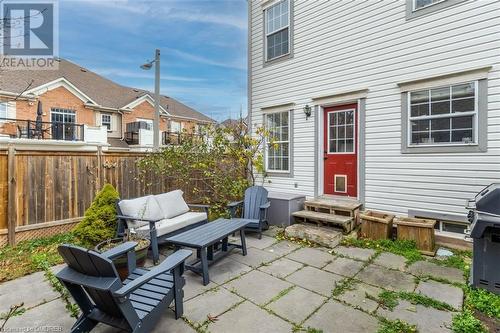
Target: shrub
[465,322]
[99,222]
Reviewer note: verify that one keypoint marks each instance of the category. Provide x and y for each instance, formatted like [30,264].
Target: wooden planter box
[419,230]
[376,225]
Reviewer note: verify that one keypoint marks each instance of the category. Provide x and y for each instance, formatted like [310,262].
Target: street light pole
[156,123]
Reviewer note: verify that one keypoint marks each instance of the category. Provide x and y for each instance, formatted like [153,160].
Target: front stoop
[323,236]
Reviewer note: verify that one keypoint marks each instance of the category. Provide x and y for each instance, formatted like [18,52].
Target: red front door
[341,150]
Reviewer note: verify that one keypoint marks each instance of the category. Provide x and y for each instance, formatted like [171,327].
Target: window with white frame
[4,107]
[443,116]
[277,26]
[175,127]
[419,4]
[106,120]
[278,144]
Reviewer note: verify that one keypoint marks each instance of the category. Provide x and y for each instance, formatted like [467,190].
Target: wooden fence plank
[12,210]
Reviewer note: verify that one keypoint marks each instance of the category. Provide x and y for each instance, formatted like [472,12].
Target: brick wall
[56,98]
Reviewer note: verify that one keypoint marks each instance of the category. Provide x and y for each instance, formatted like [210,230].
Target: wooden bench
[345,222]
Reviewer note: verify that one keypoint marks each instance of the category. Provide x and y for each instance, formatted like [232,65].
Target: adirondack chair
[134,305]
[254,208]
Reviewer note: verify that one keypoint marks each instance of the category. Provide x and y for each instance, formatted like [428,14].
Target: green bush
[99,222]
[465,322]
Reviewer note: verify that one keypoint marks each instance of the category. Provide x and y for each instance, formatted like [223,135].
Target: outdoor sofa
[159,217]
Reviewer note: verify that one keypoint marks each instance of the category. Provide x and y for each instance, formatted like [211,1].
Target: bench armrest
[266,205]
[263,211]
[125,217]
[172,261]
[119,250]
[200,206]
[234,204]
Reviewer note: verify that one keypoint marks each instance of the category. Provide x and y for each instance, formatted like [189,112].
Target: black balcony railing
[42,130]
[132,138]
[176,138]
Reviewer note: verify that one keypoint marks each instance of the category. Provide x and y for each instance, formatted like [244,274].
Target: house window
[278,145]
[419,4]
[58,115]
[63,121]
[277,25]
[443,116]
[106,121]
[175,127]
[4,110]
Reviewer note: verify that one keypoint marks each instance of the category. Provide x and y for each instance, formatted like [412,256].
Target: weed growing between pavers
[459,259]
[389,300]
[396,326]
[405,248]
[343,286]
[465,322]
[280,236]
[483,301]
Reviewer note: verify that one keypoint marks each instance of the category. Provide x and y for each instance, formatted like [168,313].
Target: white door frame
[321,142]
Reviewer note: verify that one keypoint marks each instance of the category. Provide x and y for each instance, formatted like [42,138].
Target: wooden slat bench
[345,222]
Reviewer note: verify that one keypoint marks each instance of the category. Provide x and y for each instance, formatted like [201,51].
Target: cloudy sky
[203,45]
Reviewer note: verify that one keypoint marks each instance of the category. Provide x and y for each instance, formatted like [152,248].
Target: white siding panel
[343,45]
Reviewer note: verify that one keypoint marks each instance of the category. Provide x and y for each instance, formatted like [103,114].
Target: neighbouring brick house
[85,108]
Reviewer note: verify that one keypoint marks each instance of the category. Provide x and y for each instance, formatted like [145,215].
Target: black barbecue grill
[484,215]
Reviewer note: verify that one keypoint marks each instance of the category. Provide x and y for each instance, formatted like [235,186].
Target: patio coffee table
[211,243]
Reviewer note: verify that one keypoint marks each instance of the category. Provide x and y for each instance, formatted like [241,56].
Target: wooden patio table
[211,243]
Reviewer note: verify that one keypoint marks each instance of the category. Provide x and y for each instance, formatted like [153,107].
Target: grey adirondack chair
[254,208]
[134,305]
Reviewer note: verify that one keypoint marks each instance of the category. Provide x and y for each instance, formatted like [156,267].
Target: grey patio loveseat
[159,217]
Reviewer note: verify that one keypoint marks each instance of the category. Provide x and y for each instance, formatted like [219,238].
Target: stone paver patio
[278,287]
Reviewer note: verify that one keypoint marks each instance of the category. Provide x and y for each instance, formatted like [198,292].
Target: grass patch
[459,259]
[465,322]
[483,301]
[396,326]
[405,248]
[389,300]
[25,257]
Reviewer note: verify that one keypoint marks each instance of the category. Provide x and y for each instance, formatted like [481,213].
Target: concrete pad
[425,268]
[344,266]
[52,314]
[387,278]
[282,248]
[258,287]
[315,280]
[249,318]
[169,324]
[428,320]
[253,240]
[281,267]
[357,296]
[254,258]
[337,317]
[31,289]
[312,257]
[391,260]
[354,252]
[226,269]
[211,303]
[443,292]
[273,231]
[297,304]
[194,285]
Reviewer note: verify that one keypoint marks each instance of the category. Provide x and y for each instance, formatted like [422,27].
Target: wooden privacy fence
[43,193]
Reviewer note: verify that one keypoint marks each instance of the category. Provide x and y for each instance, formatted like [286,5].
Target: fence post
[99,168]
[12,197]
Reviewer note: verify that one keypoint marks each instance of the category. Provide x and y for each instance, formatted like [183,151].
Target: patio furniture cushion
[141,208]
[166,226]
[172,204]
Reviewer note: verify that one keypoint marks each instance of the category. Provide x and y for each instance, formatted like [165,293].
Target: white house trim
[449,79]
[343,97]
[60,82]
[140,100]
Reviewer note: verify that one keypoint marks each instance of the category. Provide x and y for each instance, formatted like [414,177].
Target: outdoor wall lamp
[307,111]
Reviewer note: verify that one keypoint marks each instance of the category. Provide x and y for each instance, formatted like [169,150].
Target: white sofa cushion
[166,226]
[141,208]
[172,204]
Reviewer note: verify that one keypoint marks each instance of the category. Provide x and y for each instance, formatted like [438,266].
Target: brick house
[82,108]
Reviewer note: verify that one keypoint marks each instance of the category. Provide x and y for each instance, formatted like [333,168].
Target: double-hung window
[106,120]
[4,107]
[277,27]
[278,143]
[443,116]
